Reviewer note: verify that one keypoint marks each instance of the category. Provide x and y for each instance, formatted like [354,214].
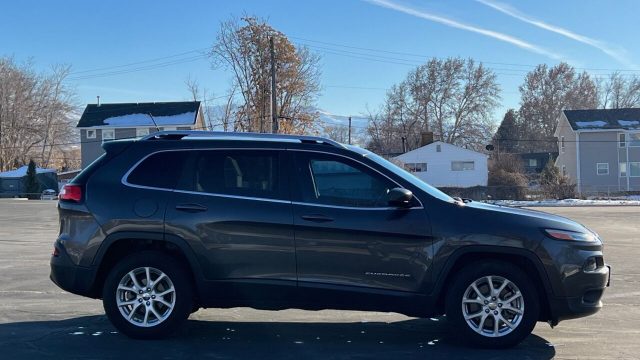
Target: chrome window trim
[125,182]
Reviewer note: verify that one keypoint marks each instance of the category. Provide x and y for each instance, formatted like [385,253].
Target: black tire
[182,297]
[460,287]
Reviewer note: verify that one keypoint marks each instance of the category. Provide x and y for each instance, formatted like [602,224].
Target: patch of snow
[566,202]
[187,118]
[588,124]
[628,122]
[22,171]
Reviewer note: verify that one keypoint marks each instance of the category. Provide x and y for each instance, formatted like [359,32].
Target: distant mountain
[357,122]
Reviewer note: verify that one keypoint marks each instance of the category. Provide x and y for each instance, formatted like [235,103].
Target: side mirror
[399,197]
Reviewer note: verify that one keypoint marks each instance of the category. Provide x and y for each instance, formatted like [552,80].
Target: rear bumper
[70,277]
[588,303]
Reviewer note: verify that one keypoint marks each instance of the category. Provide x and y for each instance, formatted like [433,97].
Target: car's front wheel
[492,304]
[147,295]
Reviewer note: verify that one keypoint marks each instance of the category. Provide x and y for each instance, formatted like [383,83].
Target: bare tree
[36,111]
[619,91]
[244,48]
[453,97]
[544,94]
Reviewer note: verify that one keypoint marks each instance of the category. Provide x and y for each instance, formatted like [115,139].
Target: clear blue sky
[509,35]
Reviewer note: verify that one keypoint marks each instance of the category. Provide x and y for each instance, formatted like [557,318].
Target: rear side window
[160,170]
[236,172]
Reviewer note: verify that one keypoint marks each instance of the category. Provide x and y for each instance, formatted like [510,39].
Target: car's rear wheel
[492,304]
[147,295]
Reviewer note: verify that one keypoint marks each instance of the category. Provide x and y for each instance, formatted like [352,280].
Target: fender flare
[445,272]
[180,243]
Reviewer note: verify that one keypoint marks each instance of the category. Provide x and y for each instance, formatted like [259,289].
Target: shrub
[554,184]
[506,178]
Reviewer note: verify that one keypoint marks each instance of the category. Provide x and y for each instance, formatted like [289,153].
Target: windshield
[403,174]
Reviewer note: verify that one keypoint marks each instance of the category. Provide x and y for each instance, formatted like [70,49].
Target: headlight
[571,235]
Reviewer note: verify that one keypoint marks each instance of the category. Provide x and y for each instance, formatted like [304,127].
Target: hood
[532,217]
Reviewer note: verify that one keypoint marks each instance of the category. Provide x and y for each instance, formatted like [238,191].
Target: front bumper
[588,301]
[70,277]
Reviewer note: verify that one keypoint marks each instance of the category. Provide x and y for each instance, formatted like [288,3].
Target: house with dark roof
[105,122]
[600,149]
[534,163]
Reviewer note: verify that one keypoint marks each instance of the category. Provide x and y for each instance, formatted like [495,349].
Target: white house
[445,165]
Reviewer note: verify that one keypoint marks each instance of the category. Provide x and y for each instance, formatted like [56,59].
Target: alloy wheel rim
[493,306]
[145,296]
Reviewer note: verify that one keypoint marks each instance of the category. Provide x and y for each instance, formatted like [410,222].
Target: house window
[533,162]
[462,165]
[634,169]
[634,139]
[562,144]
[416,167]
[622,140]
[564,170]
[438,148]
[91,134]
[623,169]
[108,134]
[602,168]
[142,132]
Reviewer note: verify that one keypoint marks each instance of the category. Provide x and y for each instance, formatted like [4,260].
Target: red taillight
[71,192]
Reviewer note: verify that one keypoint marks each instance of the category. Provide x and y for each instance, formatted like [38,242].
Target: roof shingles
[137,114]
[624,119]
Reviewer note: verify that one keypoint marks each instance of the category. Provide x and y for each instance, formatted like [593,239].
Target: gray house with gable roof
[600,149]
[105,122]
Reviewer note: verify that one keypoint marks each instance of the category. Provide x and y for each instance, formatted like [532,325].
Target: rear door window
[250,173]
[160,170]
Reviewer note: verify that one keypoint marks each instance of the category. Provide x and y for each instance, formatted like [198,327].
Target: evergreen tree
[554,184]
[505,139]
[31,184]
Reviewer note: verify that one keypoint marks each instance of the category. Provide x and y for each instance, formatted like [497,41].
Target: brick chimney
[426,138]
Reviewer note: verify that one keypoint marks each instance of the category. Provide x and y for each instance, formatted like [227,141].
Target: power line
[143,68]
[138,62]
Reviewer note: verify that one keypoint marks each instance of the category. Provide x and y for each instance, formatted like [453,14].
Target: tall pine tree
[506,138]
[31,184]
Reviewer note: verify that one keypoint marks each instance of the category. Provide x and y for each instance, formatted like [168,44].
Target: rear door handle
[192,208]
[317,218]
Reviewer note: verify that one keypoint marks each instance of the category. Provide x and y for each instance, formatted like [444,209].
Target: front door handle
[192,208]
[317,218]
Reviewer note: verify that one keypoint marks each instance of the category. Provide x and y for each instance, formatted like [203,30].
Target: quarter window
[340,182]
[602,168]
[462,165]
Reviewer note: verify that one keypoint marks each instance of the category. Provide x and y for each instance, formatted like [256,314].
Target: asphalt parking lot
[38,320]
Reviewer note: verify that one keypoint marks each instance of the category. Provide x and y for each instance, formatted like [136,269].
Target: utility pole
[274,110]
[349,130]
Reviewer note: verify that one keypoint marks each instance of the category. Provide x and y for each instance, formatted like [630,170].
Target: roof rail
[223,135]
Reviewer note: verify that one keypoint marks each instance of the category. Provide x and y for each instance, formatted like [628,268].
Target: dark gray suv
[162,226]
